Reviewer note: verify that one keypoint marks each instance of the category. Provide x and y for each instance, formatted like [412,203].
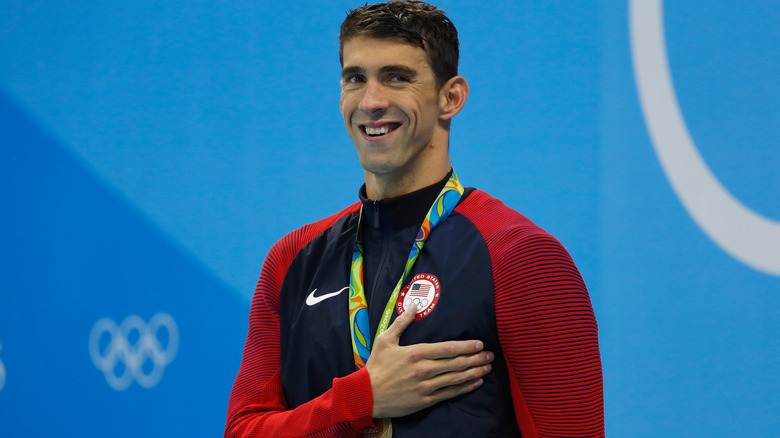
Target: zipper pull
[376,215]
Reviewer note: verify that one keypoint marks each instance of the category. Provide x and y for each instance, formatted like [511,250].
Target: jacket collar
[401,211]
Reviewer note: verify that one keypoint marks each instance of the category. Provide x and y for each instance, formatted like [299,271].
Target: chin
[377,168]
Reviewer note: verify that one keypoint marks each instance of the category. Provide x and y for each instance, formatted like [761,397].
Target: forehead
[367,52]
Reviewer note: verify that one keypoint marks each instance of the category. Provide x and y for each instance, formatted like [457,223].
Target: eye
[399,78]
[352,82]
[353,79]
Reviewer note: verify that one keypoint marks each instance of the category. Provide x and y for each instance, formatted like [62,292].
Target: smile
[379,130]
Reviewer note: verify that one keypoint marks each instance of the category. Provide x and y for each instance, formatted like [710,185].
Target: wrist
[353,394]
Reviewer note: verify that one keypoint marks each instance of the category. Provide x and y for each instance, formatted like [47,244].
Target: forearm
[342,411]
[257,403]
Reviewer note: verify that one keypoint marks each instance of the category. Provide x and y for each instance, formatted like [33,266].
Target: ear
[452,97]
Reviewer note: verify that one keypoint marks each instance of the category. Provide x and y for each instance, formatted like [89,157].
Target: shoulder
[517,246]
[289,245]
[282,253]
[499,225]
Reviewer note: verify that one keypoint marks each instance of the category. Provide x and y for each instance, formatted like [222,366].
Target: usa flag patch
[424,290]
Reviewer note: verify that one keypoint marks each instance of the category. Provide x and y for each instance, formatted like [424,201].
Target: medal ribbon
[358,305]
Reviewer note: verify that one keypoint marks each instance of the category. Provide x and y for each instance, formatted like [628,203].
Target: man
[425,309]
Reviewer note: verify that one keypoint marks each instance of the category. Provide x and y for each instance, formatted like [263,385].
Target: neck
[382,186]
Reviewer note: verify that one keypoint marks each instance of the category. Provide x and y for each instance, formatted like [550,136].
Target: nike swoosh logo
[312,300]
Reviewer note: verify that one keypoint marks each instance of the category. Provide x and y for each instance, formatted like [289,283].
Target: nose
[374,99]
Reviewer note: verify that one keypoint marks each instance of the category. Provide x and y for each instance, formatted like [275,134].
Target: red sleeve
[546,326]
[257,407]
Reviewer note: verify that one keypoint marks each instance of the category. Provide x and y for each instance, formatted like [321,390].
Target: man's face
[390,104]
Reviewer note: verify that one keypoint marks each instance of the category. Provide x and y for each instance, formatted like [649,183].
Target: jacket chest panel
[457,259]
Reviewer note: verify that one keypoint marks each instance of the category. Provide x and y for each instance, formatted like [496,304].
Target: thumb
[401,323]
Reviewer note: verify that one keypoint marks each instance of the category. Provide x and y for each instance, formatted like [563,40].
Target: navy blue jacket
[315,340]
[500,279]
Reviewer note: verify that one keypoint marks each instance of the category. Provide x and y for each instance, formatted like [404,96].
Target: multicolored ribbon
[358,305]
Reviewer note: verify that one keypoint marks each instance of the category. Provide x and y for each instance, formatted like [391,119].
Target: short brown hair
[419,23]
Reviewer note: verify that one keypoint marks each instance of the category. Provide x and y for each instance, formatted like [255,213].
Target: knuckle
[462,363]
[425,387]
[428,400]
[450,350]
[422,372]
[414,355]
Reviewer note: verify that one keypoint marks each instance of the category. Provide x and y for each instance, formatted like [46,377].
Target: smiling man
[425,309]
[397,114]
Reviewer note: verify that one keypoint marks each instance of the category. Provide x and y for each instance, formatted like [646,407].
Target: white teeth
[377,131]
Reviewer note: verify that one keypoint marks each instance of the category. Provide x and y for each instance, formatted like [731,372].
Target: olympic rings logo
[421,303]
[423,290]
[133,350]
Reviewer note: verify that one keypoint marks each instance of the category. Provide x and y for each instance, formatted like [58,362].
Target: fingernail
[480,345]
[490,356]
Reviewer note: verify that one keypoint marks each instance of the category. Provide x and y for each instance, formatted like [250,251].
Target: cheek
[425,113]
[426,105]
[346,106]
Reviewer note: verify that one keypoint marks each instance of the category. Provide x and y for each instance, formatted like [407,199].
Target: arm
[548,332]
[257,406]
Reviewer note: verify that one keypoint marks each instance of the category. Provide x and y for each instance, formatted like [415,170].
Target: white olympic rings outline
[133,356]
[739,231]
[421,303]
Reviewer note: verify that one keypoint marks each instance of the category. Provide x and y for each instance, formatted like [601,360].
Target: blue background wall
[153,152]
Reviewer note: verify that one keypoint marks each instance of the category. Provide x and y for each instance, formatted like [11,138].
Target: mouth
[376,131]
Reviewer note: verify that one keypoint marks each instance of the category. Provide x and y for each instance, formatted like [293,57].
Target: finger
[454,378]
[455,370]
[448,349]
[462,362]
[402,322]
[452,391]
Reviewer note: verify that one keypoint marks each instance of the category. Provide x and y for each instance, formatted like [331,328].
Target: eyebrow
[349,71]
[401,69]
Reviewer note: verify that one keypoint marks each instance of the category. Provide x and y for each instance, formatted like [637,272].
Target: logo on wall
[744,234]
[424,291]
[134,350]
[2,372]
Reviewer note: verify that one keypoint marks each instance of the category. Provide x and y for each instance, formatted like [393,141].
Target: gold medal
[382,428]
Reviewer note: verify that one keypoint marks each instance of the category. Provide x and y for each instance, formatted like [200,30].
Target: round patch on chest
[423,290]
